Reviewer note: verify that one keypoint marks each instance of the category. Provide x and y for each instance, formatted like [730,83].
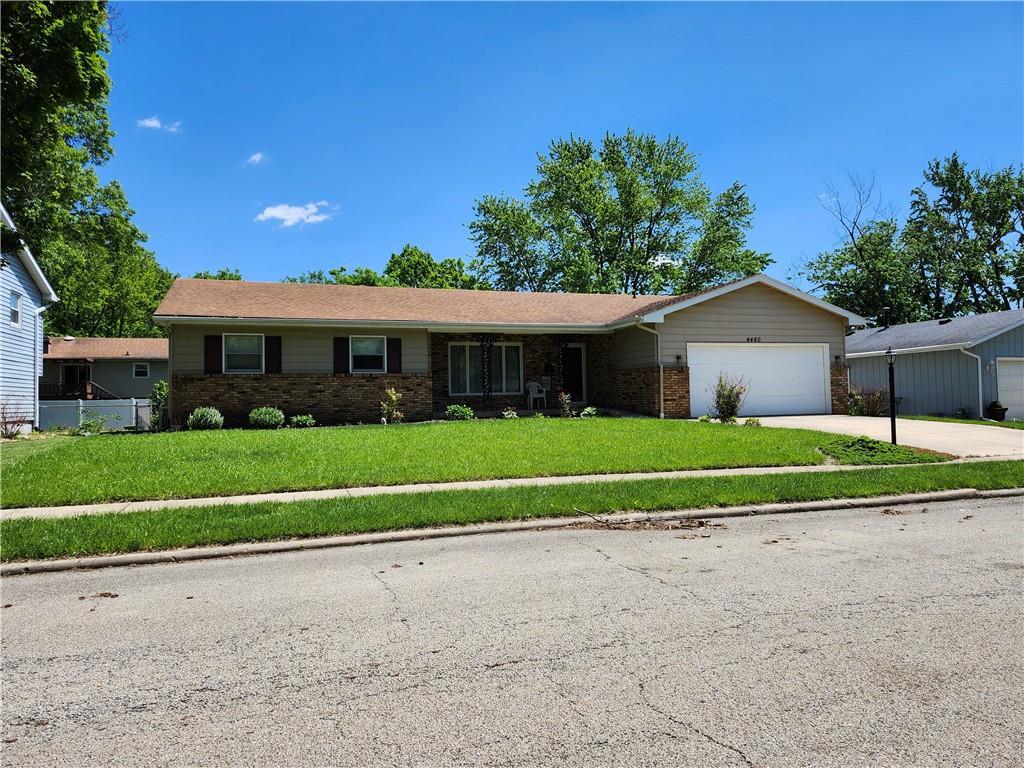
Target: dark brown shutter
[394,355]
[341,354]
[213,361]
[272,354]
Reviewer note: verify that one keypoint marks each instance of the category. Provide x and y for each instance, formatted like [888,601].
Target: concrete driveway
[853,638]
[957,439]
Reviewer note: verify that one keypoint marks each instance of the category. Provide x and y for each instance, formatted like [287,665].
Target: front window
[466,369]
[15,309]
[369,354]
[141,371]
[243,353]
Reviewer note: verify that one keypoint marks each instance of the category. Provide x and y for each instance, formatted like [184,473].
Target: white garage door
[1011,386]
[783,379]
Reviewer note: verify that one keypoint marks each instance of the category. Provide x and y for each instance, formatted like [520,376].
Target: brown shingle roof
[356,303]
[62,348]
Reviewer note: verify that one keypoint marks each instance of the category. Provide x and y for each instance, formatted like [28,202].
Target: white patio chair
[536,392]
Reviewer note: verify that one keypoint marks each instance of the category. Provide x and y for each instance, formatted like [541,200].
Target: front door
[574,372]
[74,377]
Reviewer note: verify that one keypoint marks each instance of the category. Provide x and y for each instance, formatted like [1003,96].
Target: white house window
[368,354]
[140,371]
[243,353]
[15,309]
[466,370]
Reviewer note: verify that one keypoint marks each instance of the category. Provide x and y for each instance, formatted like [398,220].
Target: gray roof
[964,331]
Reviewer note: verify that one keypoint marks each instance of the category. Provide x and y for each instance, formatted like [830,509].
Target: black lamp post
[890,358]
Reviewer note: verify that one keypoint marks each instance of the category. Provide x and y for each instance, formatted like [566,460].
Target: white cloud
[256,158]
[290,215]
[157,124]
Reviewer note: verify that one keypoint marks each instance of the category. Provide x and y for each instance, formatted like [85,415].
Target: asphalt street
[863,637]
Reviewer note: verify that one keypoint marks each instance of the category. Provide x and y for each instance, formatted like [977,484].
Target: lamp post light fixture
[890,358]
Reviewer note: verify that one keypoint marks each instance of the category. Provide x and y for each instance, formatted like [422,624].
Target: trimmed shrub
[266,417]
[389,412]
[510,413]
[729,396]
[589,412]
[301,420]
[869,402]
[205,417]
[705,419]
[751,422]
[459,413]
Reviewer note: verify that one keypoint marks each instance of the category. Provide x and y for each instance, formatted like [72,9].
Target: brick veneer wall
[331,399]
[840,389]
[637,390]
[541,358]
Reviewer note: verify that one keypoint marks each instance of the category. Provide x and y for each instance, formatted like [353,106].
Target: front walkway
[382,490]
[942,436]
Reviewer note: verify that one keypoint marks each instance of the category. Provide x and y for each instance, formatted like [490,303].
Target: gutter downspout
[661,368]
[37,353]
[981,412]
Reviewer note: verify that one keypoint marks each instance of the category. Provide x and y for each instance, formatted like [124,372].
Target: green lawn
[32,538]
[188,464]
[1004,424]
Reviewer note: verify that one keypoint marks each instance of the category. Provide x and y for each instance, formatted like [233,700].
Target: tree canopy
[54,130]
[412,267]
[960,250]
[629,216]
[224,273]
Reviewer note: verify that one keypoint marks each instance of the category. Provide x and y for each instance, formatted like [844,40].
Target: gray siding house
[101,368]
[25,294]
[944,367]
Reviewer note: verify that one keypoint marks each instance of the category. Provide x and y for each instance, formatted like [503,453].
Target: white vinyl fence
[132,414]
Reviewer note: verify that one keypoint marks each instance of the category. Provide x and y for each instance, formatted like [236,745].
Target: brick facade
[840,376]
[330,398]
[637,390]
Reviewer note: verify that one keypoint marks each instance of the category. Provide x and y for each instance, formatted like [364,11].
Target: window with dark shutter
[212,359]
[272,354]
[341,354]
[394,355]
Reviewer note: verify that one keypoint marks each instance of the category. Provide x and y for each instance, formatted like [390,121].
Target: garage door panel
[781,379]
[1011,387]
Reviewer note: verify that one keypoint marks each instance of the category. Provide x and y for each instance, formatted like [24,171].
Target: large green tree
[53,131]
[631,215]
[224,273]
[960,250]
[412,267]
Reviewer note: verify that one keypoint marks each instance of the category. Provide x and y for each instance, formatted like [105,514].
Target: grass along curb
[420,534]
[37,538]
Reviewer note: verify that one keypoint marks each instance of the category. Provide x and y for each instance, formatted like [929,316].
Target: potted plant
[996,410]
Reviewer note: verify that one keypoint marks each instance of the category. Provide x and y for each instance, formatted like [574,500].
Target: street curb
[415,534]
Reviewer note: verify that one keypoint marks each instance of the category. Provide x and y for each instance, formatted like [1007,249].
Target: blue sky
[377,125]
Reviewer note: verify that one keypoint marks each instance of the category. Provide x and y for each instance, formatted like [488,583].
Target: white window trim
[351,356]
[477,344]
[18,308]
[135,370]
[224,354]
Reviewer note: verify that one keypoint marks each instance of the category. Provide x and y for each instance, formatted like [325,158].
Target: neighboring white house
[25,294]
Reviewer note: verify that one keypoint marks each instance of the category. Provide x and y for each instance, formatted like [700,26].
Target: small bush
[729,396]
[389,411]
[205,417]
[510,413]
[459,413]
[301,420]
[705,419]
[589,412]
[266,417]
[539,415]
[866,450]
[565,405]
[869,402]
[751,422]
[93,423]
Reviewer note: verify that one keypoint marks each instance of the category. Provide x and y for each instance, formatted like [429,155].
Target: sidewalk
[382,490]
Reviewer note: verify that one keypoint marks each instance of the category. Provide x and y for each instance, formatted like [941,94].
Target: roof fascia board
[31,265]
[593,328]
[987,336]
[658,316]
[909,350]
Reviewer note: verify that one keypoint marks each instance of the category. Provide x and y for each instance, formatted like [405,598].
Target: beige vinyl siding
[635,348]
[303,350]
[754,311]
